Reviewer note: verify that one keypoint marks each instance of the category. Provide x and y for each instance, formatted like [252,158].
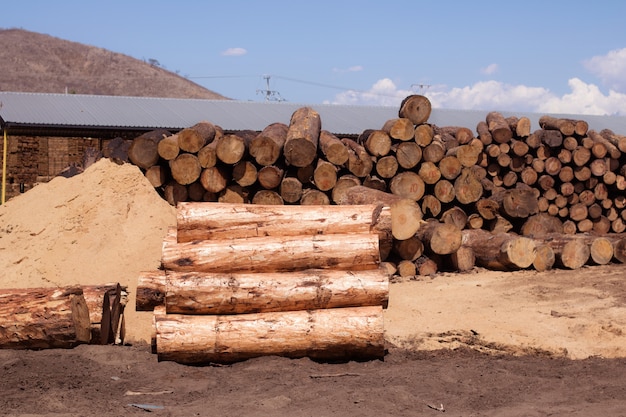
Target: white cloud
[490,69]
[354,68]
[494,95]
[610,68]
[234,52]
[383,93]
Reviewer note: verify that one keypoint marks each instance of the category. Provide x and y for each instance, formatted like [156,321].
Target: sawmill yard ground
[482,343]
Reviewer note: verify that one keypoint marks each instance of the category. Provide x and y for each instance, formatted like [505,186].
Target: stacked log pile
[503,177]
[241,280]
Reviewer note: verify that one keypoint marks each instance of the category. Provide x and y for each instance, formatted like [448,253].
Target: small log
[500,251]
[245,173]
[467,187]
[207,156]
[408,249]
[617,140]
[498,127]
[302,139]
[431,204]
[174,193]
[43,318]
[168,148]
[567,127]
[333,148]
[387,166]
[157,175]
[406,268]
[117,150]
[544,258]
[218,293]
[574,254]
[408,154]
[270,176]
[463,259]
[214,179]
[429,173]
[106,305]
[313,197]
[450,167]
[234,194]
[408,184]
[424,134]
[601,251]
[360,162]
[426,266]
[349,333]
[143,150]
[194,138]
[440,238]
[268,145]
[416,108]
[185,168]
[291,189]
[230,149]
[401,129]
[344,183]
[268,198]
[325,175]
[378,143]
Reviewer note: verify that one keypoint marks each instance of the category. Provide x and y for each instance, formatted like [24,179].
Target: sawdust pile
[104,225]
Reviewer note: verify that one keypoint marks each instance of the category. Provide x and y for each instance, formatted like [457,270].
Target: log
[43,318]
[245,173]
[156,175]
[408,249]
[544,257]
[291,189]
[328,334]
[333,148]
[463,259]
[378,143]
[440,238]
[302,139]
[185,168]
[500,251]
[214,179]
[498,127]
[387,166]
[269,198]
[143,150]
[416,108]
[117,150]
[408,154]
[234,194]
[355,251]
[325,175]
[207,156]
[406,269]
[174,193]
[211,221]
[230,149]
[401,129]
[151,289]
[406,215]
[467,187]
[574,254]
[408,184]
[313,197]
[222,293]
[268,145]
[194,138]
[106,305]
[344,183]
[360,162]
[601,251]
[270,176]
[168,148]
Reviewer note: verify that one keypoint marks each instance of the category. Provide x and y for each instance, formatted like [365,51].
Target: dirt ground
[483,343]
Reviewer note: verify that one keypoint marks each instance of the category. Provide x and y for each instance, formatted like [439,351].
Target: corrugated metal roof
[79,111]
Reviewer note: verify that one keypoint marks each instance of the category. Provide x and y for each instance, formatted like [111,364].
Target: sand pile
[104,225]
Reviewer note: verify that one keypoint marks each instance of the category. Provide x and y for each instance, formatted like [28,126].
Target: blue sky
[540,56]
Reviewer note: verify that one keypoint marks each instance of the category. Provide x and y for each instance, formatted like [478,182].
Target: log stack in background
[241,281]
[518,183]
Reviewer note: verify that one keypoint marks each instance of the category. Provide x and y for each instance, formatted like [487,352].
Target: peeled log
[328,334]
[300,147]
[500,251]
[218,293]
[201,221]
[150,290]
[41,318]
[355,251]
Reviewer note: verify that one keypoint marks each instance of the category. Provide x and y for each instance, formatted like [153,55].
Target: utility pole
[270,95]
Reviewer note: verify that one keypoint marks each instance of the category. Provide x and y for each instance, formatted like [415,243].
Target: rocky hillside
[34,62]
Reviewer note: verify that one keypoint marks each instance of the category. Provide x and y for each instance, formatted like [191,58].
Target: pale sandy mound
[104,225]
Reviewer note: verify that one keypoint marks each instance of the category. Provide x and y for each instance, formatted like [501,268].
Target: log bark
[194,138]
[42,318]
[274,254]
[268,145]
[416,108]
[221,293]
[328,334]
[302,139]
[215,221]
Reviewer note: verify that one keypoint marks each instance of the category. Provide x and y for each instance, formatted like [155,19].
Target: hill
[34,62]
